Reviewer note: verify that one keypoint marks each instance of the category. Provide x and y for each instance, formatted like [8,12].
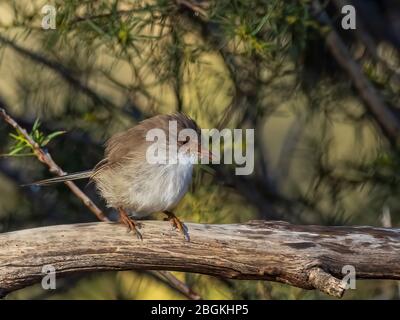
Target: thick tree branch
[309,257]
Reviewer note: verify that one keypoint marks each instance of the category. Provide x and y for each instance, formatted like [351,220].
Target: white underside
[168,187]
[145,189]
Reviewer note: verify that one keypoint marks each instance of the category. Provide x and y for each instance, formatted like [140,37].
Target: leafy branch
[22,145]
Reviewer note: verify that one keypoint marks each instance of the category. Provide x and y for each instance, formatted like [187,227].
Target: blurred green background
[320,156]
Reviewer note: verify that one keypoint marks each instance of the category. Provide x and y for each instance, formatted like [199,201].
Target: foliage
[319,158]
[21,143]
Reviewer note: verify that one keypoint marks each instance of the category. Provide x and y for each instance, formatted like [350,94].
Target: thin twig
[177,284]
[196,8]
[45,157]
[374,103]
[369,43]
[58,68]
[67,74]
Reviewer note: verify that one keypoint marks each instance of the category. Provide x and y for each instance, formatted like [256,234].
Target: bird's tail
[67,177]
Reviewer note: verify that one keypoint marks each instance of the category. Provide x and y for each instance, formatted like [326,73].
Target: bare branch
[199,8]
[309,257]
[175,283]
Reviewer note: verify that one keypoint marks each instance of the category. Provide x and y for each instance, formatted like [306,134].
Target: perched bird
[134,186]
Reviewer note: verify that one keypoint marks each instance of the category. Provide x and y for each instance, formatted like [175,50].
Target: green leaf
[52,136]
[260,25]
[18,138]
[16,150]
[96,28]
[36,135]
[18,155]
[36,125]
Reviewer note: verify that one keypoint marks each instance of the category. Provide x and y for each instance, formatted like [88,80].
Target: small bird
[135,187]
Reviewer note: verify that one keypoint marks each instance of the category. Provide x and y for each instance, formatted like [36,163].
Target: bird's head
[190,139]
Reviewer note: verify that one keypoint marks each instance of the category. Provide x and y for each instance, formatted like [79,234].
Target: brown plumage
[131,184]
[121,145]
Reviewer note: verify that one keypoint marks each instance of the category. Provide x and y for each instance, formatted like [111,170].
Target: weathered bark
[310,257]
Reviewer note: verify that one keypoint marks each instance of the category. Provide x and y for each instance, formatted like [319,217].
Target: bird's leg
[129,222]
[177,224]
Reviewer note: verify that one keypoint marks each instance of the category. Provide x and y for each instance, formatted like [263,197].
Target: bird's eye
[186,140]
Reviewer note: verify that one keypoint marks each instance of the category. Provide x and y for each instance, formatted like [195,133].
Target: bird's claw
[131,224]
[179,225]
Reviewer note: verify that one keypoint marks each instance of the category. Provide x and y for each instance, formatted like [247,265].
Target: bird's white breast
[177,183]
[162,190]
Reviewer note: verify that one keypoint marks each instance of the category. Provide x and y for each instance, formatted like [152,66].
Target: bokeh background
[321,157]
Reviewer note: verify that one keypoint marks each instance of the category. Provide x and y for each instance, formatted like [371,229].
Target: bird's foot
[130,223]
[177,224]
